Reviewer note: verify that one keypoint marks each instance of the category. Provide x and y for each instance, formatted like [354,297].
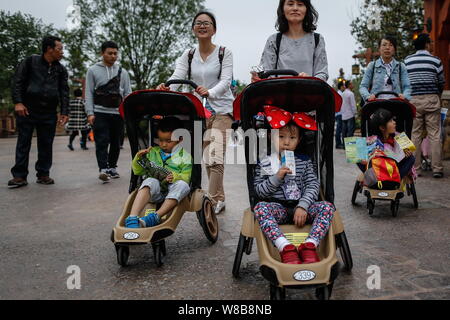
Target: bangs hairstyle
[309,23]
[380,118]
[209,14]
[389,38]
[170,124]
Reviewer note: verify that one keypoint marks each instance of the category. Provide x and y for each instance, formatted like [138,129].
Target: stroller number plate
[383,194]
[131,236]
[304,275]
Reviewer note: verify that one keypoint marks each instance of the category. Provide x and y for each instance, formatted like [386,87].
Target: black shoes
[438,175]
[17,183]
[45,180]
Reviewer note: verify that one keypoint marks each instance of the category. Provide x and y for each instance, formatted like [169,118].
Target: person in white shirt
[211,68]
[348,111]
[339,137]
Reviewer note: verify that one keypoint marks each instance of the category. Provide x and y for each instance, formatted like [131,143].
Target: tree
[20,37]
[399,18]
[151,33]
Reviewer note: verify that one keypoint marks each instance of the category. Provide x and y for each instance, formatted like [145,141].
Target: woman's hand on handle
[303,74]
[162,87]
[255,77]
[202,91]
[371,97]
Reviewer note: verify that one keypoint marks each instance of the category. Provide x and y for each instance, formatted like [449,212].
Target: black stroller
[293,94]
[404,112]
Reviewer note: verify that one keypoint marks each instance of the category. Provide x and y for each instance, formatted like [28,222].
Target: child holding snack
[274,183]
[174,188]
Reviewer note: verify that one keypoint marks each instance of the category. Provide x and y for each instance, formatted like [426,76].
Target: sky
[243,27]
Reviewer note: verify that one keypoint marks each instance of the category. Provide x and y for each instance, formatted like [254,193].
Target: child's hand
[300,216]
[364,162]
[408,153]
[169,178]
[142,153]
[283,172]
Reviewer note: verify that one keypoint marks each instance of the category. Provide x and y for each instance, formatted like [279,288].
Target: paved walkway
[46,229]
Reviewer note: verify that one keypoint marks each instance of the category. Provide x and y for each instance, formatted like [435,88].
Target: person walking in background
[39,86]
[78,120]
[339,138]
[426,74]
[348,111]
[107,84]
[386,74]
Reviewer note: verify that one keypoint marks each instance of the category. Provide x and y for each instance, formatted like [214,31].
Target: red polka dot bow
[279,118]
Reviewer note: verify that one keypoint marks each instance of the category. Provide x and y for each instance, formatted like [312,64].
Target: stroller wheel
[395,204]
[208,221]
[123,253]
[370,205]
[344,250]
[277,293]
[238,257]
[412,189]
[356,189]
[158,249]
[324,293]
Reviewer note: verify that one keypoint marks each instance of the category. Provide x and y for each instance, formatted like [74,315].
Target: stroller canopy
[402,110]
[295,94]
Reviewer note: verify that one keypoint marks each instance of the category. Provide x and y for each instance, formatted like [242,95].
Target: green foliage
[151,34]
[399,18]
[20,37]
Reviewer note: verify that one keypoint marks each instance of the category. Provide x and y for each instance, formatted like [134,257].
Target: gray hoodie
[98,75]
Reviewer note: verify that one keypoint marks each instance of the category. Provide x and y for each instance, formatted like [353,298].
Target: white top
[348,108]
[206,73]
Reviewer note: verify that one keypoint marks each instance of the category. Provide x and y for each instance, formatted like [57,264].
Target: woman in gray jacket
[296,46]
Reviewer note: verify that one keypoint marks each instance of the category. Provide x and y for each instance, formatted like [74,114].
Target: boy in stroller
[277,184]
[169,168]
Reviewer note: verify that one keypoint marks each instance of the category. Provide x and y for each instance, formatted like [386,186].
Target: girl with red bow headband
[274,182]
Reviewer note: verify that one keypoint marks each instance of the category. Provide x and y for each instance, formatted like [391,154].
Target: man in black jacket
[39,85]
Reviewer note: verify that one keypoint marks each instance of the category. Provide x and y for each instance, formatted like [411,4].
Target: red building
[437,23]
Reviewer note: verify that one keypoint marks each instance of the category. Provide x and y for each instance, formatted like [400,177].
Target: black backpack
[280,36]
[108,95]
[191,57]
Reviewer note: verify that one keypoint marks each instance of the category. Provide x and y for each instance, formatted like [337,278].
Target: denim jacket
[379,76]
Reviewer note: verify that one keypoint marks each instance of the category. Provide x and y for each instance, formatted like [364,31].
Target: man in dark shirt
[38,86]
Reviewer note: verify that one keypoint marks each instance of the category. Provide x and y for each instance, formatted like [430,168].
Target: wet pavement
[46,229]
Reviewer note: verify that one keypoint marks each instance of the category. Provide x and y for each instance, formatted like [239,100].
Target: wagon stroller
[404,112]
[294,94]
[142,110]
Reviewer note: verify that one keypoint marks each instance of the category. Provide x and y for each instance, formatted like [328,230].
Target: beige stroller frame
[294,94]
[139,110]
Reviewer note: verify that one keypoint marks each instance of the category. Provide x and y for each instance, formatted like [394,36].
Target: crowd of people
[41,84]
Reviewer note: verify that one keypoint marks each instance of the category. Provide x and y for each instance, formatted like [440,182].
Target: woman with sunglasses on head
[386,74]
[211,67]
[296,46]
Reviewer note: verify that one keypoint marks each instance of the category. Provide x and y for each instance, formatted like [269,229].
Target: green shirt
[179,164]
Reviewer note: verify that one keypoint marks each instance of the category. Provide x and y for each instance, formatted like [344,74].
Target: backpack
[108,95]
[191,57]
[278,46]
[382,173]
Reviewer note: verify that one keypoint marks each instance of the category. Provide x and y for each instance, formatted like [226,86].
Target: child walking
[276,183]
[171,156]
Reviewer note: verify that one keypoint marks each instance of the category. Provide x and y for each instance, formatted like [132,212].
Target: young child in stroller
[384,126]
[169,184]
[276,183]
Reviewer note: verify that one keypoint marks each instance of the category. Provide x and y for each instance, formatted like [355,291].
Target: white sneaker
[113,173]
[104,176]
[220,206]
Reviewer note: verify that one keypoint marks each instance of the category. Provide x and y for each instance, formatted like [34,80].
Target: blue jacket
[378,79]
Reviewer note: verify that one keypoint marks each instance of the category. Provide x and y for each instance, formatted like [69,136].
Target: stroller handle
[386,92]
[286,72]
[188,82]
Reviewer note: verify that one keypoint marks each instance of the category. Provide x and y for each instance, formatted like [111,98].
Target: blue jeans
[339,139]
[348,127]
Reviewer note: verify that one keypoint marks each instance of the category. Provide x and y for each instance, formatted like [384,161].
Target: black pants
[45,125]
[107,132]
[339,139]
[83,139]
[348,127]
